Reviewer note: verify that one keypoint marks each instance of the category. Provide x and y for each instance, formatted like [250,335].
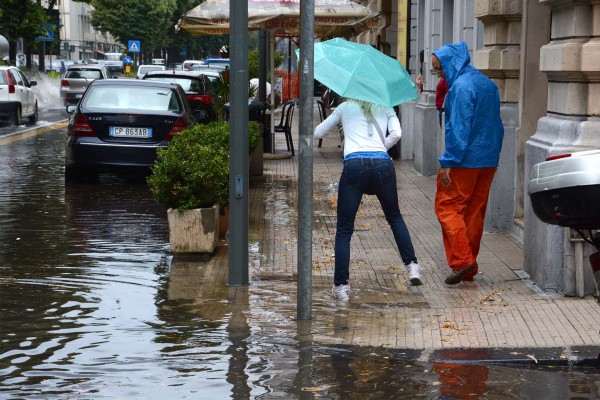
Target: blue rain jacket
[474,130]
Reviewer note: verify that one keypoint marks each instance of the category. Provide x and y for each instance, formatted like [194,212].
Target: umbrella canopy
[282,17]
[361,72]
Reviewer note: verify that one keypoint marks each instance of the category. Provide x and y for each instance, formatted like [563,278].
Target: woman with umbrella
[368,169]
[372,83]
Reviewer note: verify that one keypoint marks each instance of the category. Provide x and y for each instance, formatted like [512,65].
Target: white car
[565,189]
[188,64]
[17,98]
[145,68]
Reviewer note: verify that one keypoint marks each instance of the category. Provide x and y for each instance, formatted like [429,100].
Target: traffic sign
[48,35]
[134,46]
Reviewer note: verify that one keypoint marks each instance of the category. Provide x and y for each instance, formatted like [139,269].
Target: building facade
[544,55]
[79,39]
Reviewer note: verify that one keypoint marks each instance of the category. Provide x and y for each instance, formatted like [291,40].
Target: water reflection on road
[94,306]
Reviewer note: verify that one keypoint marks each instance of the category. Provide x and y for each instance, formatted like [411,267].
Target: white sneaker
[341,292]
[414,274]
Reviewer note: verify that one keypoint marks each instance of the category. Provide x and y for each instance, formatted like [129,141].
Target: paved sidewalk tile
[498,309]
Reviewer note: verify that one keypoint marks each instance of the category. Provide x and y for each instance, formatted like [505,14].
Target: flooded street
[93,306]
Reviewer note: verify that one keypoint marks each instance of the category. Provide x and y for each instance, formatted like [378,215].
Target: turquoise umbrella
[361,72]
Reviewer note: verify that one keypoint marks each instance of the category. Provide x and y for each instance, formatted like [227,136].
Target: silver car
[77,78]
[565,190]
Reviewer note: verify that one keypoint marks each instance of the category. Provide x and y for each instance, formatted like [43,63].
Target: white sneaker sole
[415,281]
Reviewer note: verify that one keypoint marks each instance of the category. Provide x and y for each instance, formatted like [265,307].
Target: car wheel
[77,174]
[72,174]
[16,117]
[33,118]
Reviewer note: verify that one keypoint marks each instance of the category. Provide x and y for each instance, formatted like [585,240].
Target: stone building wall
[571,63]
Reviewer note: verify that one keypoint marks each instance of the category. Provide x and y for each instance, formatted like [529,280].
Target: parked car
[565,190]
[187,64]
[198,89]
[145,68]
[113,62]
[217,61]
[206,67]
[68,63]
[211,73]
[120,123]
[17,98]
[175,66]
[57,66]
[77,78]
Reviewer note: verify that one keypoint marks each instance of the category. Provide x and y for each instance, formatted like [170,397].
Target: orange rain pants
[460,208]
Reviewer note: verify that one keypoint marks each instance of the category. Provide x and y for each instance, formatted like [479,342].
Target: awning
[281,17]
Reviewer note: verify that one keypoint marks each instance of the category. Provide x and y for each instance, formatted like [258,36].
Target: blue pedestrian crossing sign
[134,46]
[47,35]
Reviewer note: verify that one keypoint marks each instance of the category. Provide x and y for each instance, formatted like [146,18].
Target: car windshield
[83,74]
[144,70]
[187,84]
[213,79]
[125,98]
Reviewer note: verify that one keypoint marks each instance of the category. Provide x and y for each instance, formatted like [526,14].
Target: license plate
[121,131]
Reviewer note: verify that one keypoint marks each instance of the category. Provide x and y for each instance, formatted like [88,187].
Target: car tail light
[201,98]
[81,126]
[11,83]
[177,127]
[558,157]
[64,82]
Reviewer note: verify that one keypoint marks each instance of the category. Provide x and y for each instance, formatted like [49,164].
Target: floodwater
[93,306]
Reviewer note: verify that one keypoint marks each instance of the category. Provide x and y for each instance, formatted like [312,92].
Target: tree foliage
[22,19]
[153,22]
[145,20]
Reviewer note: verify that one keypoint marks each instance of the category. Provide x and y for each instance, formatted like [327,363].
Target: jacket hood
[454,58]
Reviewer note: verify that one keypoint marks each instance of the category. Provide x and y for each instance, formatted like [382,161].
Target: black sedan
[198,89]
[120,123]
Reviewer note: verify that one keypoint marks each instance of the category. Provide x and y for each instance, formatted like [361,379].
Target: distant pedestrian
[440,96]
[368,169]
[419,81]
[473,140]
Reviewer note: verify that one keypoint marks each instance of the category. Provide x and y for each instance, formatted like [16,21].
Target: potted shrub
[191,179]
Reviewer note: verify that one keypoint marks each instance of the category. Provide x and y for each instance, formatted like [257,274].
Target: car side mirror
[71,109]
[32,83]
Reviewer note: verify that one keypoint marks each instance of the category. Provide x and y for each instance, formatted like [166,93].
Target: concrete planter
[193,231]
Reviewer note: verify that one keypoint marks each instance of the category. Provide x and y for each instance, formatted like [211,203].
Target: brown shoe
[456,276]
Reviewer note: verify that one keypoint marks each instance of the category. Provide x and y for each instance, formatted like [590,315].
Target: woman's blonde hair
[367,107]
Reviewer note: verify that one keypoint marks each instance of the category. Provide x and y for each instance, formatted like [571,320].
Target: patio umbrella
[361,72]
[282,17]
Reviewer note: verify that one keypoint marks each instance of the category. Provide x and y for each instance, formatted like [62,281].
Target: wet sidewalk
[500,309]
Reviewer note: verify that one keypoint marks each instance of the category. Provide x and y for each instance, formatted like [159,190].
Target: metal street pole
[262,65]
[238,144]
[305,159]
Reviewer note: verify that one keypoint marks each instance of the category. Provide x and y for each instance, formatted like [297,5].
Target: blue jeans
[372,176]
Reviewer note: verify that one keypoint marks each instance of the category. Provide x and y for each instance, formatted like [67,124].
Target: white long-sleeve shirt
[359,135]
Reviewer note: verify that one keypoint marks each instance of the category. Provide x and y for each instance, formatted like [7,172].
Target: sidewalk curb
[33,130]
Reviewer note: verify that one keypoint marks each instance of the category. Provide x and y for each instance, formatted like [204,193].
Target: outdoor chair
[285,125]
[322,115]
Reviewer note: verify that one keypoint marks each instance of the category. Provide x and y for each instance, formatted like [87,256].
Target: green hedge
[193,172]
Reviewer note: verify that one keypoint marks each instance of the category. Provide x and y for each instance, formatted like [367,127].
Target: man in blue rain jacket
[473,140]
